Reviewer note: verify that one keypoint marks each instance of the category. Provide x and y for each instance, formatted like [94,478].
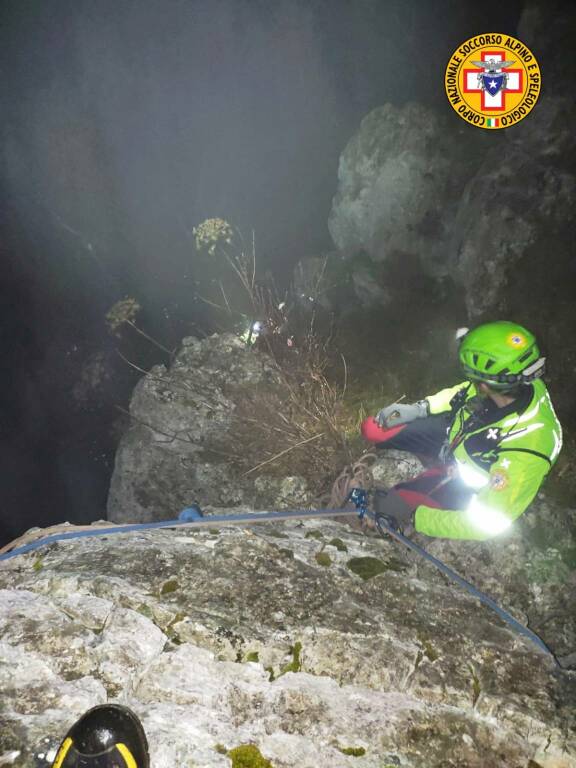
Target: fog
[124,124]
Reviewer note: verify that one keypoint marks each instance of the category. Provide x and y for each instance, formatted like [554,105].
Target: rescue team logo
[498,480]
[492,81]
[517,340]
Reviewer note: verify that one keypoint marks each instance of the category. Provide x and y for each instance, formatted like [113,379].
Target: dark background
[126,123]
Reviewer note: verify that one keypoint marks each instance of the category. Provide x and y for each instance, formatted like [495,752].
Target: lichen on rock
[403,665]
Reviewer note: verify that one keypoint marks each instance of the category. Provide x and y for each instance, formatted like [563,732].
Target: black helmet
[107,736]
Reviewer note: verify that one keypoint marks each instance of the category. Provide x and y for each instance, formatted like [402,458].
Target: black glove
[401,413]
[398,512]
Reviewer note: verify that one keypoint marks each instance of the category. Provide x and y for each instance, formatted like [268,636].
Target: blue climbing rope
[359,498]
[184,522]
[484,598]
[192,518]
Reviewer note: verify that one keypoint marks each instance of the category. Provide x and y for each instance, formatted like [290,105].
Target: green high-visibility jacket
[504,462]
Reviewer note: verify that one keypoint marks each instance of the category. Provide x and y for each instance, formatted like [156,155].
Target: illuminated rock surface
[185,429]
[270,636]
[399,183]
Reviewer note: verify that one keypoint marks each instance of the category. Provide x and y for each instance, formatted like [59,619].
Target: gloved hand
[398,512]
[401,413]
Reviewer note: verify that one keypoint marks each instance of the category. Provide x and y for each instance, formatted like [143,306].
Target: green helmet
[502,354]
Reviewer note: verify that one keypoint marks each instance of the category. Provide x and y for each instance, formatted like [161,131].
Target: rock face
[513,232]
[320,645]
[512,246]
[185,427]
[492,213]
[491,220]
[317,643]
[487,208]
[399,182]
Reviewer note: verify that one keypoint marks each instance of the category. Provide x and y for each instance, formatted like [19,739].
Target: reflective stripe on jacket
[503,459]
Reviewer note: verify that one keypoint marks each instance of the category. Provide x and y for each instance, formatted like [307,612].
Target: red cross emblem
[495,102]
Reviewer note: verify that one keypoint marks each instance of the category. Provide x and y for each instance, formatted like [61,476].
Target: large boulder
[189,431]
[513,234]
[199,426]
[428,194]
[512,247]
[226,424]
[399,181]
[315,643]
[456,220]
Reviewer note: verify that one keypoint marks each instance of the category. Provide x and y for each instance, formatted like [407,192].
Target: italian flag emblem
[492,122]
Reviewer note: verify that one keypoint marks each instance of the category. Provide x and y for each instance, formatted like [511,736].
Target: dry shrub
[296,426]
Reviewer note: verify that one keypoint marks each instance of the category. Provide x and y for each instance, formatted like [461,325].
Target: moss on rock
[146,610]
[428,649]
[353,751]
[324,559]
[169,586]
[293,666]
[248,756]
[287,553]
[367,567]
[339,544]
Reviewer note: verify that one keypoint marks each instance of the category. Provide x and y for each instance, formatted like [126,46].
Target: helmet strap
[534,371]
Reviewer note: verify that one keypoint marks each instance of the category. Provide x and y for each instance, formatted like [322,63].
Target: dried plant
[217,237]
[212,233]
[124,312]
[300,427]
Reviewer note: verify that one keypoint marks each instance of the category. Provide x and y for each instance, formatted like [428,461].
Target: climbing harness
[192,517]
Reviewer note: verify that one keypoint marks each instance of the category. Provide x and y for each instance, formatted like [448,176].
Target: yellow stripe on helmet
[62,752]
[126,754]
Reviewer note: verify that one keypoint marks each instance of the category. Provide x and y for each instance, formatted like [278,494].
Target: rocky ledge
[317,644]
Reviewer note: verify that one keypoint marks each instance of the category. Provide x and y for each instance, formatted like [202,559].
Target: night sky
[126,123]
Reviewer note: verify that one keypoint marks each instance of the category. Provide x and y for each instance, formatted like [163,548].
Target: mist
[126,124]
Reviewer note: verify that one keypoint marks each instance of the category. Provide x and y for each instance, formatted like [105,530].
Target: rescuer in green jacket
[494,437]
